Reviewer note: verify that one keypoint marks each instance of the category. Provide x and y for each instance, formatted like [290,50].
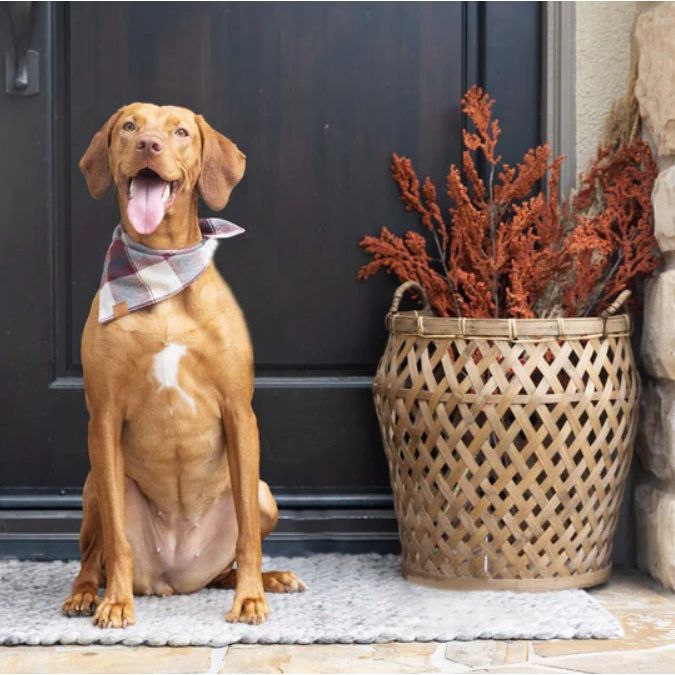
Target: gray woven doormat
[350,598]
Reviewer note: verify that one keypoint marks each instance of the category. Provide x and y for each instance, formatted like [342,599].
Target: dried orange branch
[508,248]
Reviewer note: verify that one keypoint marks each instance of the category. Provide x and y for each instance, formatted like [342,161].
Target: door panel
[318,95]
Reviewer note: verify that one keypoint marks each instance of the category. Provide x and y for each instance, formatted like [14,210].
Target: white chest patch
[165,369]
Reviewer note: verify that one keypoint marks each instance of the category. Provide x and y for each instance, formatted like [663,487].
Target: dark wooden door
[318,95]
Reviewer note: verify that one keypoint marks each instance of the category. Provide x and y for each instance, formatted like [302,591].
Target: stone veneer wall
[655,493]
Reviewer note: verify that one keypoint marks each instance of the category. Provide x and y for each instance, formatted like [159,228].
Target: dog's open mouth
[149,196]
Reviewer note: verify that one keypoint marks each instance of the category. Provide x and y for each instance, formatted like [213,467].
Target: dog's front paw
[81,603]
[249,606]
[115,614]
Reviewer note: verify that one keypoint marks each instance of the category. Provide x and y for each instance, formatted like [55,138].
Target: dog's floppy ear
[94,162]
[223,165]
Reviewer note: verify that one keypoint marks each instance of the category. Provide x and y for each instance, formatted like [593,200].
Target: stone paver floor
[646,611]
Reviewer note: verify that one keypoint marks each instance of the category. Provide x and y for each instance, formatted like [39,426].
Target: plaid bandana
[135,276]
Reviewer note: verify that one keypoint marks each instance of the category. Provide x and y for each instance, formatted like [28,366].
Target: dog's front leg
[107,469]
[243,449]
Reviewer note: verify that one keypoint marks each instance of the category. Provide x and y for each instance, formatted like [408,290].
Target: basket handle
[400,291]
[617,304]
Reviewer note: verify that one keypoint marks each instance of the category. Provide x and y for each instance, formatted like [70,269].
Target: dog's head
[160,157]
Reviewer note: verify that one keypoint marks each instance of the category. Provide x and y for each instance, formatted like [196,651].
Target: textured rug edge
[9,641]
[613,633]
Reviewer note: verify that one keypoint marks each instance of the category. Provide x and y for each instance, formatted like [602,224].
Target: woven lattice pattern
[507,456]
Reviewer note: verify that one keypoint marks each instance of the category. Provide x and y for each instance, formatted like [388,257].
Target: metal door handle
[22,65]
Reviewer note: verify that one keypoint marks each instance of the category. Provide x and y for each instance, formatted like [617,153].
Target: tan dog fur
[173,497]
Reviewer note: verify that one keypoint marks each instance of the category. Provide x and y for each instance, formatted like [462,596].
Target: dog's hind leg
[273,582]
[83,598]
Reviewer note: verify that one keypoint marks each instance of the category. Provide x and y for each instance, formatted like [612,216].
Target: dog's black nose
[150,145]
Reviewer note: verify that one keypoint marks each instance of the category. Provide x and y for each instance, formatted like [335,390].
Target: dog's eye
[181,132]
[128,126]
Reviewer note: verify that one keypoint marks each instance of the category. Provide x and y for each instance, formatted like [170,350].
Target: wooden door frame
[41,524]
[559,85]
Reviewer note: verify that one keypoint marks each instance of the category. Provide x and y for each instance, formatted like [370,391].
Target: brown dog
[173,498]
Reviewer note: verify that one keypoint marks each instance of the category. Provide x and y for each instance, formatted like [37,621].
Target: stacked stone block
[655,494]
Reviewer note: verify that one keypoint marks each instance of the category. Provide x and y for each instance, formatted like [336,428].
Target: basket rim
[425,324]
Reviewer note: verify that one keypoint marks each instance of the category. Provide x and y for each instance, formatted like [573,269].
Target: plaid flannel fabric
[135,276]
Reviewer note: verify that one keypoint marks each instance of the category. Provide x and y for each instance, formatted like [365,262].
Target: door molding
[263,382]
[559,86]
[66,370]
[45,525]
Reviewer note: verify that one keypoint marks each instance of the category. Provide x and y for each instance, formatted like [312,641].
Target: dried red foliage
[504,244]
[612,241]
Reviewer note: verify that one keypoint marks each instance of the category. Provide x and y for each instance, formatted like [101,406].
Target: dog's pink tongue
[146,207]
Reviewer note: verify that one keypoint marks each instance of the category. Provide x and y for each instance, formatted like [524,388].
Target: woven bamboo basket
[508,443]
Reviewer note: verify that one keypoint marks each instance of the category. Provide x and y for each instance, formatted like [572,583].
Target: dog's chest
[173,430]
[165,371]
[172,383]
